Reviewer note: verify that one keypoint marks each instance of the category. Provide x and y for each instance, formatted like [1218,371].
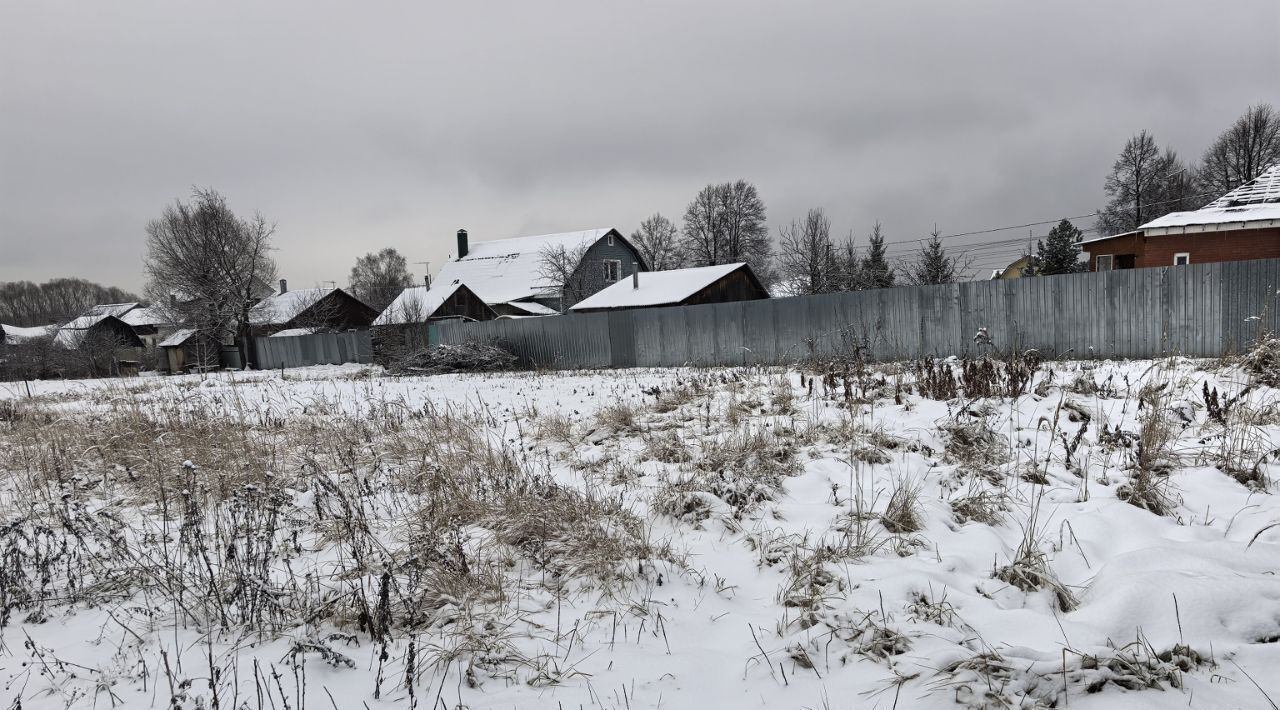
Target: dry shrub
[903,513]
[1148,486]
[1263,361]
[459,357]
[742,470]
[666,447]
[617,417]
[985,507]
[974,443]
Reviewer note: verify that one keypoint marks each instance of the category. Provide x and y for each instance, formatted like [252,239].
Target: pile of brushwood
[460,357]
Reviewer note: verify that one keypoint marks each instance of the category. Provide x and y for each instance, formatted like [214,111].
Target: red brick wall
[1204,247]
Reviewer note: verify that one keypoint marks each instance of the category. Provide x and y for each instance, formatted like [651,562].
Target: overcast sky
[360,125]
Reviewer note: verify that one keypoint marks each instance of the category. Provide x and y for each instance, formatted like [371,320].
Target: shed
[190,349]
[724,283]
[324,309]
[1242,224]
[423,304]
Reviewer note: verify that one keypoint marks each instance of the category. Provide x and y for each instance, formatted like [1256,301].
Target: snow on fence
[316,349]
[1200,310]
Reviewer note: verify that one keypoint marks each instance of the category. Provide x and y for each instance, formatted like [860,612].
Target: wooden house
[511,275]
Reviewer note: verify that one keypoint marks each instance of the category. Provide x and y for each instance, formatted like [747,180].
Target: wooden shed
[724,283]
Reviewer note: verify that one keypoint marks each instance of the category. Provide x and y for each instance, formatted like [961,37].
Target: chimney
[635,275]
[284,286]
[462,243]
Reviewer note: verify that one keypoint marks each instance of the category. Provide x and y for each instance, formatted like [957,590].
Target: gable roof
[1253,205]
[506,270]
[144,316]
[178,337]
[110,309]
[658,288]
[416,304]
[73,334]
[284,307]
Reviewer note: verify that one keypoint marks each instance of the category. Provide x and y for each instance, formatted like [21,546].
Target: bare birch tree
[806,257]
[657,240]
[725,224]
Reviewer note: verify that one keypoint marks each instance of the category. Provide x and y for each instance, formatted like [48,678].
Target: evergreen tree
[874,270]
[932,265]
[1059,253]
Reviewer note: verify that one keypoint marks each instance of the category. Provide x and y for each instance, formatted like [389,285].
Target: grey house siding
[592,268]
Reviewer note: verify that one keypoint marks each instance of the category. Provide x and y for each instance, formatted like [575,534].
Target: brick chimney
[635,275]
[284,286]
[462,243]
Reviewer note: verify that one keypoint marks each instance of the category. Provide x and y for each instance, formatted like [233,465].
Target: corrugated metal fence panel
[317,349]
[1197,310]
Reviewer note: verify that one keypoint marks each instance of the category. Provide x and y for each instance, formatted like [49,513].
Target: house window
[612,270]
[1182,258]
[459,300]
[610,240]
[1104,263]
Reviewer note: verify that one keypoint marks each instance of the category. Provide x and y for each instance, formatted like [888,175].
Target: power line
[1039,223]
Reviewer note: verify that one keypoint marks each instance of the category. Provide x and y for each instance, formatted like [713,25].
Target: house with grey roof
[543,274]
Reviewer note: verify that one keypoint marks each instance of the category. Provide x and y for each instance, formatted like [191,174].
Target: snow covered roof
[141,317]
[284,307]
[178,337]
[507,270]
[110,309]
[658,288]
[72,335]
[533,308]
[416,304]
[17,335]
[1253,205]
[294,332]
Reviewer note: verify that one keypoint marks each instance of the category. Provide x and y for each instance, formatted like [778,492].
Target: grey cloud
[361,126]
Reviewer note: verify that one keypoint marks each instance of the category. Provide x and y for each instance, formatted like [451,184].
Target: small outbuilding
[190,350]
[725,283]
[320,309]
[424,304]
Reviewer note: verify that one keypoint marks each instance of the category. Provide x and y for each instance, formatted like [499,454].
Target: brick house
[1242,224]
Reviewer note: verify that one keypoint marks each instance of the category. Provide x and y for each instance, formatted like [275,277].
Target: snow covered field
[981,535]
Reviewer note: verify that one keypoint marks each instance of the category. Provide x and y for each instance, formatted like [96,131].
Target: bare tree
[1242,152]
[1144,184]
[208,267]
[378,277]
[806,257]
[657,242]
[24,303]
[725,224]
[563,272]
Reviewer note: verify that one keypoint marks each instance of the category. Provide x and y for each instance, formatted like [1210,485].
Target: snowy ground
[644,539]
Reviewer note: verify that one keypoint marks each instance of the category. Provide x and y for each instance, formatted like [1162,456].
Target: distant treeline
[23,303]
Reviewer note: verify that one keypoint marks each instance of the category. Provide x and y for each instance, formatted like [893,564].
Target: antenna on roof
[426,272]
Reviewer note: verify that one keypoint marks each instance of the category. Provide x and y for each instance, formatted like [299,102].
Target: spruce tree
[932,265]
[874,270]
[1060,252]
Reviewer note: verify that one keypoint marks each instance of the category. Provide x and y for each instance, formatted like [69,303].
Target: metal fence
[318,349]
[1197,310]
